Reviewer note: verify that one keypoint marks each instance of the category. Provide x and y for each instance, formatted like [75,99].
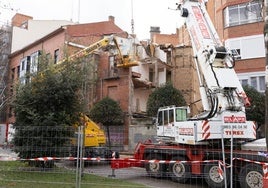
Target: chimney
[111,18]
[21,20]
[154,30]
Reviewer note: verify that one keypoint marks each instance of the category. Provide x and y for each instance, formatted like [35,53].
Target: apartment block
[61,40]
[130,87]
[240,25]
[26,30]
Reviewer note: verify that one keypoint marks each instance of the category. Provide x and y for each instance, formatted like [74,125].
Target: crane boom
[221,137]
[124,60]
[88,50]
[215,61]
[222,95]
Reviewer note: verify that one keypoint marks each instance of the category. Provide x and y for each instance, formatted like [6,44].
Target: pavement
[6,154]
[103,169]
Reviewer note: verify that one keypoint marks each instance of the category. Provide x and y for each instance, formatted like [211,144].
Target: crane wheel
[179,171]
[251,175]
[212,176]
[154,169]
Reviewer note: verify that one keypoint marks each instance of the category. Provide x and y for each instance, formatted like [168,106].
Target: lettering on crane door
[186,131]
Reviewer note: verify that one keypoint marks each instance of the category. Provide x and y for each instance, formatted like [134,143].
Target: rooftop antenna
[75,14]
[132,19]
[78,12]
[72,11]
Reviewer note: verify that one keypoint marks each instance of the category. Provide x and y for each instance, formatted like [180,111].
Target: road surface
[139,175]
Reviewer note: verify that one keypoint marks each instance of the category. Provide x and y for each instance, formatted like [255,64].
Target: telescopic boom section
[214,62]
[222,96]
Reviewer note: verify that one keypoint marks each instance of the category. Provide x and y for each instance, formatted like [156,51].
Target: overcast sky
[146,13]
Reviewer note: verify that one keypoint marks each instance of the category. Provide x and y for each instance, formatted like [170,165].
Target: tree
[256,112]
[165,95]
[46,109]
[107,112]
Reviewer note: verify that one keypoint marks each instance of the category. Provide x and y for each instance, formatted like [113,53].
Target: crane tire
[251,175]
[212,176]
[154,169]
[179,171]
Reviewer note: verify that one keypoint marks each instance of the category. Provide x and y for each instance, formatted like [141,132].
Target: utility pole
[132,19]
[266,67]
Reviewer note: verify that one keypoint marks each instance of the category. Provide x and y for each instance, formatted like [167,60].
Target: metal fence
[46,157]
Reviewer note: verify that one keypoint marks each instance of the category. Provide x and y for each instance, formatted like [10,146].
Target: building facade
[68,39]
[130,87]
[240,25]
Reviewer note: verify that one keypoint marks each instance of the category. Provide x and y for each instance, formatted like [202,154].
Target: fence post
[79,156]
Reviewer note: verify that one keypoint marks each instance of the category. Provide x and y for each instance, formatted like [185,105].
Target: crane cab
[167,118]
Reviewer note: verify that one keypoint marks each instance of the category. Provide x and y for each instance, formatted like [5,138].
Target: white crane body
[223,98]
[218,144]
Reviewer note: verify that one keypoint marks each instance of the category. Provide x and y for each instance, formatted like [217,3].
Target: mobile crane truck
[213,144]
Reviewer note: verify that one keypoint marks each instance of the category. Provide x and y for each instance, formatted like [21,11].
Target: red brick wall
[215,11]
[184,37]
[116,88]
[244,30]
[19,19]
[250,65]
[185,77]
